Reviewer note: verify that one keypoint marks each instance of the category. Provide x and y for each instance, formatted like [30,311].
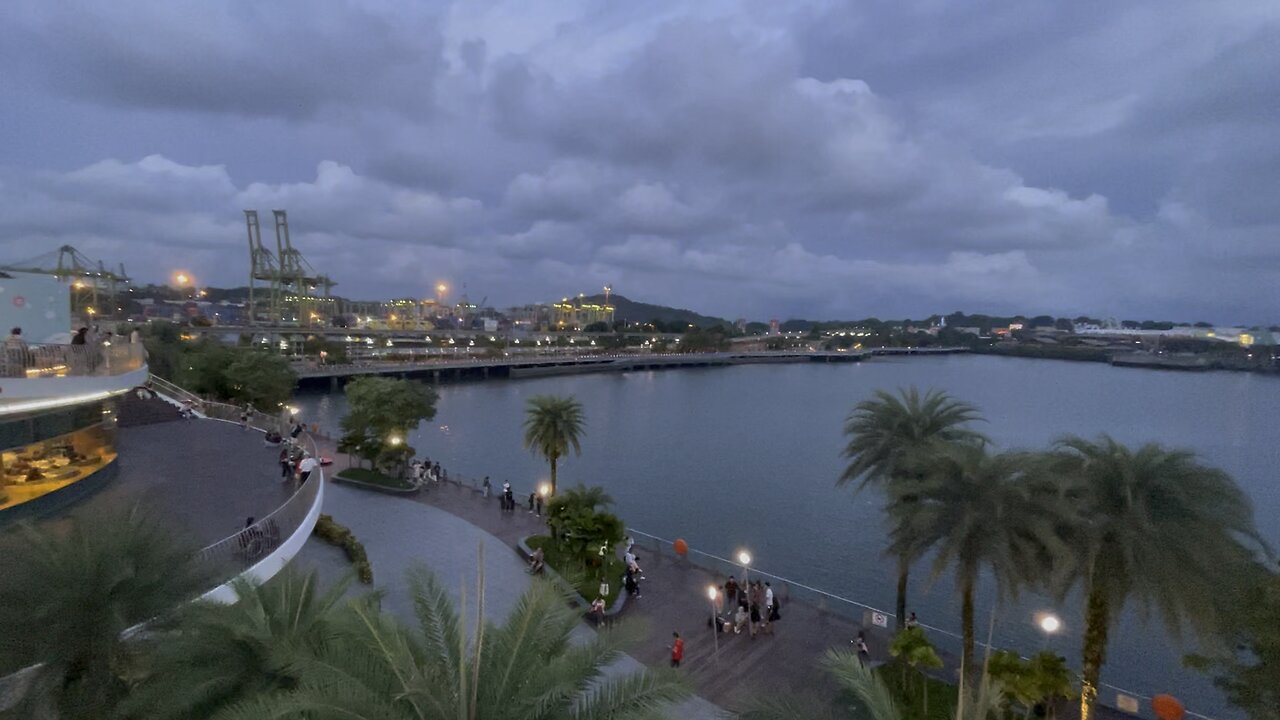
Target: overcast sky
[745,159]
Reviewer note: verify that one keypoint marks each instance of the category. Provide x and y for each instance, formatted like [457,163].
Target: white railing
[236,553]
[49,360]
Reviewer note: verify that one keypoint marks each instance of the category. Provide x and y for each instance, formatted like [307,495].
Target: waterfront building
[579,313]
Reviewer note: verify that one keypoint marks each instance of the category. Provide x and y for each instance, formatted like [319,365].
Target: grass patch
[584,577]
[330,531]
[373,477]
[910,689]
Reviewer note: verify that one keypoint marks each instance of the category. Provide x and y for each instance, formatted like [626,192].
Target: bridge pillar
[333,384]
[435,377]
[485,371]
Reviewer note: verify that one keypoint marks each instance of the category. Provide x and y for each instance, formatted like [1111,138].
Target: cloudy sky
[747,159]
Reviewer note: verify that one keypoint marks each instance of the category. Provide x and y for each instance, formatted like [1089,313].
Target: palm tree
[213,654]
[526,668]
[70,602]
[980,511]
[889,433]
[913,650]
[1156,527]
[552,426]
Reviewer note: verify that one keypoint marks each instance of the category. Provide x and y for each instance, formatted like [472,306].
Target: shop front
[44,453]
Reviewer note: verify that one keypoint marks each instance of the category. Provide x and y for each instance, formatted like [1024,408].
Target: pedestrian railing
[236,553]
[867,616]
[53,360]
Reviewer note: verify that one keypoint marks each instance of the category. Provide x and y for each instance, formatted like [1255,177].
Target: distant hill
[631,311]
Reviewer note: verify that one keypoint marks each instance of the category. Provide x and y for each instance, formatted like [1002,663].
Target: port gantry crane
[94,289]
[290,281]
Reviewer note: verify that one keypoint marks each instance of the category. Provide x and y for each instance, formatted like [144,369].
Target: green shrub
[330,531]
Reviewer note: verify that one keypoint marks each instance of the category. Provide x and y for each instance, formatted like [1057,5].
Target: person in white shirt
[768,609]
[305,467]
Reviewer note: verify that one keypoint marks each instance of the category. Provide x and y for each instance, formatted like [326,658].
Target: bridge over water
[514,366]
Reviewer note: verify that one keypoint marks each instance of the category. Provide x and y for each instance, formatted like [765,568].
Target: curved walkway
[400,534]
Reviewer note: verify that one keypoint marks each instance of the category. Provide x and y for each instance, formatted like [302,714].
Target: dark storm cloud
[743,158]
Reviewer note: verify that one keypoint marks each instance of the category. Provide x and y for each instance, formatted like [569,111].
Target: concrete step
[133,411]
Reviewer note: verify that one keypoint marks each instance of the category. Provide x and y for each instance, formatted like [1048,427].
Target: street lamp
[395,440]
[712,593]
[744,558]
[544,489]
[1049,624]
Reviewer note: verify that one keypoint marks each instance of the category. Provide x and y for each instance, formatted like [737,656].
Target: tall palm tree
[1155,527]
[980,512]
[211,655]
[552,426]
[66,605]
[527,667]
[889,433]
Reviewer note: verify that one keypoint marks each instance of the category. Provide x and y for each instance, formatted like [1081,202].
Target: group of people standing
[753,604]
[507,498]
[424,471]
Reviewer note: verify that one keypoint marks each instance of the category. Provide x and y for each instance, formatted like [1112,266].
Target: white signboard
[1127,703]
[879,619]
[39,304]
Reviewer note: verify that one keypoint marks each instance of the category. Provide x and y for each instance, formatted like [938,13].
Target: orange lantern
[1168,707]
[681,547]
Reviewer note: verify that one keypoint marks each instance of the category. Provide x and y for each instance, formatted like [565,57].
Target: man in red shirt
[677,650]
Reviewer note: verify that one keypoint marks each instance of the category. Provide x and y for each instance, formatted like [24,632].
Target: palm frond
[851,674]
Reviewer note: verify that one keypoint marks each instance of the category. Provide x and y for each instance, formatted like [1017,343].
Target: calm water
[747,457]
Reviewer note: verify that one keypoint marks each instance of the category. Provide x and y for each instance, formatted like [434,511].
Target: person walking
[508,498]
[597,610]
[631,584]
[677,650]
[755,597]
[537,506]
[864,653]
[912,620]
[532,496]
[770,608]
[305,467]
[487,487]
[284,464]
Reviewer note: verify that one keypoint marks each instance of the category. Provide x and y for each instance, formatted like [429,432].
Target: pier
[482,368]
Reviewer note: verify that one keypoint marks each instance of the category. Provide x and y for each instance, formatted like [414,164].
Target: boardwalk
[729,670]
[674,599]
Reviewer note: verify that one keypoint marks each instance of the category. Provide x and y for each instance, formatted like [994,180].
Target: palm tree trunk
[966,623]
[1096,621]
[904,569]
[553,475]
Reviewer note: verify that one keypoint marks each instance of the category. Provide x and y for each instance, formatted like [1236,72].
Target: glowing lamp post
[544,490]
[1049,624]
[744,558]
[395,440]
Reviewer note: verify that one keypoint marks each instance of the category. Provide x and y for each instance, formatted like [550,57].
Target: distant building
[578,313]
[775,327]
[740,325]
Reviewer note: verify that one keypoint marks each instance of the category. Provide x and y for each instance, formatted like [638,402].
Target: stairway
[133,411]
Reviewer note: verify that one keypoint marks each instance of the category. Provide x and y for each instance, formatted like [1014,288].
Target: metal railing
[20,360]
[214,410]
[235,554]
[790,590]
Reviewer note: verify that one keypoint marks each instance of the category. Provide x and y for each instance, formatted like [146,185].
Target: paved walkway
[200,478]
[398,534]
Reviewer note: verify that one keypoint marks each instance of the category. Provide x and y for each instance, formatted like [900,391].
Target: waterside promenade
[729,670]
